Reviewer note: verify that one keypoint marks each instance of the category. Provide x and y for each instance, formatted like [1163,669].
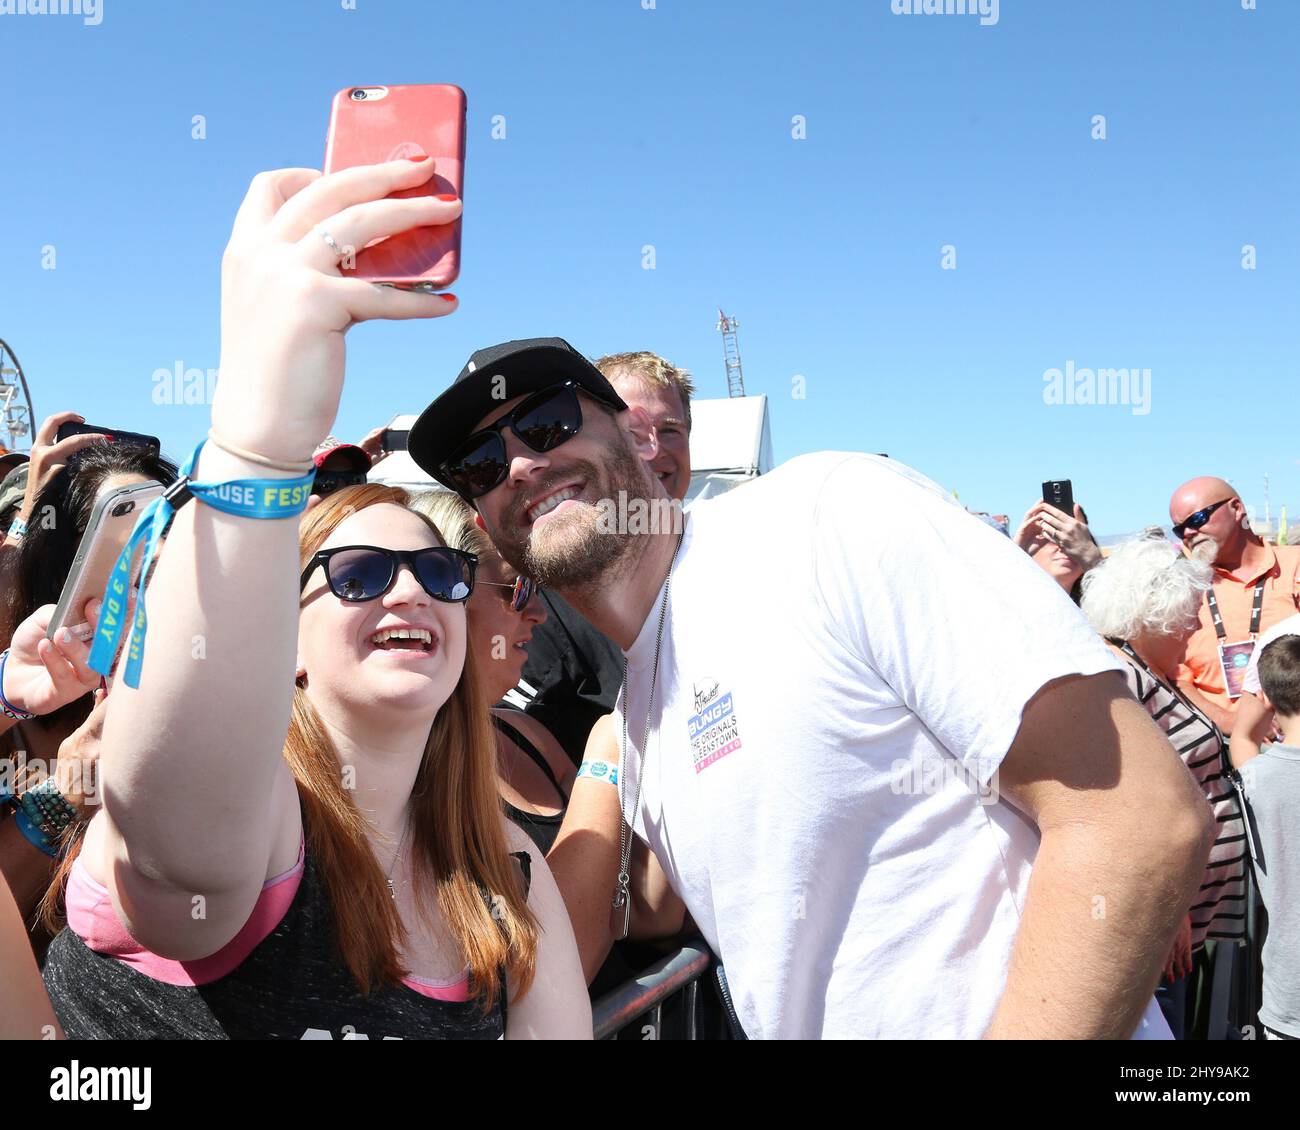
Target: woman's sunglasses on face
[542,422]
[1197,520]
[357,573]
[521,592]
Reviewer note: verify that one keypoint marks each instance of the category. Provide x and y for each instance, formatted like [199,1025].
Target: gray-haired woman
[1144,599]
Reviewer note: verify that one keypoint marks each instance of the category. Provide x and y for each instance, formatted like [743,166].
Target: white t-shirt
[1288,627]
[844,664]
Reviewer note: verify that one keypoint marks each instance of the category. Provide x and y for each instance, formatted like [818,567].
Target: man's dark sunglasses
[327,482]
[1197,520]
[521,592]
[542,422]
[357,573]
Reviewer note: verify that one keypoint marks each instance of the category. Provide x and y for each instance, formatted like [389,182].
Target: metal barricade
[670,1000]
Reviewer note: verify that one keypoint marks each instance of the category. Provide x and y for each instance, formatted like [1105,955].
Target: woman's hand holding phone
[285,306]
[49,455]
[42,675]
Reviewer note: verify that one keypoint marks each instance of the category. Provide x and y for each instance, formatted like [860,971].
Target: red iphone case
[404,122]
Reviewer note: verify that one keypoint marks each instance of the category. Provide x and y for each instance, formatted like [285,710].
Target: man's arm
[1254,727]
[1125,836]
[584,860]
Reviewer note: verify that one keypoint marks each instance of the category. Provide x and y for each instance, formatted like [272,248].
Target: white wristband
[600,771]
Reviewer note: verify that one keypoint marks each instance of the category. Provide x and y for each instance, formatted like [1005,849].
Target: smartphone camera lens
[358,96]
[122,509]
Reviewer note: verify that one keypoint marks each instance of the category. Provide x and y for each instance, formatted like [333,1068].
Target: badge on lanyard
[1234,658]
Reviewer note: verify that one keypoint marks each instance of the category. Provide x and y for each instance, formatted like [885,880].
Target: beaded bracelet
[48,808]
[33,834]
[7,708]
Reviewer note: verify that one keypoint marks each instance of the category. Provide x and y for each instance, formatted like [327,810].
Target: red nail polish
[447,297]
[422,157]
[446,196]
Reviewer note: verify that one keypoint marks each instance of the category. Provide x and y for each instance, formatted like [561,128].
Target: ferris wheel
[15,402]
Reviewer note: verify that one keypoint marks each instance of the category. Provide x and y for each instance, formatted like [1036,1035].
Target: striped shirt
[1219,910]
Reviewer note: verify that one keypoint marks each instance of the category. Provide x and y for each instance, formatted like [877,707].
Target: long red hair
[458,844]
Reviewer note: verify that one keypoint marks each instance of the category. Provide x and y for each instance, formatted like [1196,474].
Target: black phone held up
[1060,494]
[394,439]
[115,435]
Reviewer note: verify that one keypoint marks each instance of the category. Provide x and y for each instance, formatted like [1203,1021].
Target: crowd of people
[491,751]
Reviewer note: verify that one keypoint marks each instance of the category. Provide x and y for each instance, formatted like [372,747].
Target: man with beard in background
[573,671]
[1255,586]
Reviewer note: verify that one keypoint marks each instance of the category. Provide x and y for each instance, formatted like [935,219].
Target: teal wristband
[34,835]
[47,808]
[247,498]
[17,529]
[599,771]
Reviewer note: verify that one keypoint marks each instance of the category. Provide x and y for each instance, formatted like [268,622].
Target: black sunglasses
[363,572]
[325,483]
[521,592]
[543,421]
[1197,520]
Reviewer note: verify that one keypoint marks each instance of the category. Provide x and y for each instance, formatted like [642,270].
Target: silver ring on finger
[333,243]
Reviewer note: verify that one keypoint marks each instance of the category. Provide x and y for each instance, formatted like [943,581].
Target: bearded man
[895,778]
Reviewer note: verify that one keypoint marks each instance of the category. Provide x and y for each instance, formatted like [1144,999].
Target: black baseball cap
[513,368]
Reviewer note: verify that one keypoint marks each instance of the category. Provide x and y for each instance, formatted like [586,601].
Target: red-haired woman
[280,861]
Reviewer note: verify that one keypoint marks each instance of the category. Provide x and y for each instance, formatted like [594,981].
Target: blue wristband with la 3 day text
[247,498]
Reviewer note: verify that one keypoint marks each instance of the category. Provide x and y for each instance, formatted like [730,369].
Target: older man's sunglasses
[1197,520]
[357,573]
[542,422]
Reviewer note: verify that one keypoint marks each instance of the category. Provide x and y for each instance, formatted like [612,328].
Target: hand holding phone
[42,674]
[112,435]
[372,124]
[50,453]
[285,309]
[1059,493]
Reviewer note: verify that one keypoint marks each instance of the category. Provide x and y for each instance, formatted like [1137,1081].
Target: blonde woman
[300,834]
[534,775]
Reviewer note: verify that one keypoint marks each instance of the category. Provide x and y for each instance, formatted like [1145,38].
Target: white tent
[399,469]
[731,442]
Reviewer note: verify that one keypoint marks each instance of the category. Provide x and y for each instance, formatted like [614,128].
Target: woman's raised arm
[198,803]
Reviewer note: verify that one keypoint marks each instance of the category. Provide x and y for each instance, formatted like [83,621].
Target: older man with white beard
[1255,586]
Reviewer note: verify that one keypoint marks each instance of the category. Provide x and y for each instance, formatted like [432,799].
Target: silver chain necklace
[622,895]
[392,891]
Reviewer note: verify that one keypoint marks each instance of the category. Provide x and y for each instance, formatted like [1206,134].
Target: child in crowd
[1273,786]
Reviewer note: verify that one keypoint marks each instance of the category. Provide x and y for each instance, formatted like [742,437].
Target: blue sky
[673,127]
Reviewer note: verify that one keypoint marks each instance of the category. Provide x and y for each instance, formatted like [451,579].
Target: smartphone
[113,434]
[1060,494]
[111,522]
[372,124]
[397,433]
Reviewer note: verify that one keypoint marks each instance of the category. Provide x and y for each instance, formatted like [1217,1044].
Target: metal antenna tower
[731,354]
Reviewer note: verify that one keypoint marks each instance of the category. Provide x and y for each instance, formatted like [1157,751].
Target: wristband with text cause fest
[247,498]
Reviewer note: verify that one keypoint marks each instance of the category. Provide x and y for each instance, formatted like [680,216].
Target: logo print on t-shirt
[705,692]
[713,729]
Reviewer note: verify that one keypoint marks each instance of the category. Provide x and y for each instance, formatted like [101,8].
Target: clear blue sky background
[672,127]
